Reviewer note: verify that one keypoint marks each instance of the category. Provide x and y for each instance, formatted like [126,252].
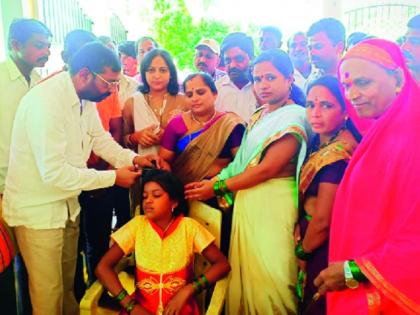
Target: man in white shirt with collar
[29,47]
[327,39]
[299,54]
[235,91]
[54,132]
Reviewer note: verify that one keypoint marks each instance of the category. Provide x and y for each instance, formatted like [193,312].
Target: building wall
[386,19]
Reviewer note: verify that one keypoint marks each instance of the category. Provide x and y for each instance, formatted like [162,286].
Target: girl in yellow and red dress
[164,243]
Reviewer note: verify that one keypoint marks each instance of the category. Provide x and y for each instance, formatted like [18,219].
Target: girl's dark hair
[281,61]
[207,79]
[173,87]
[171,184]
[333,85]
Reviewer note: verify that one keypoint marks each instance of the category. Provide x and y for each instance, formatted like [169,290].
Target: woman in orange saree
[375,232]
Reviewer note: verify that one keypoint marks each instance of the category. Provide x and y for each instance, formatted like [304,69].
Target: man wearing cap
[235,92]
[206,59]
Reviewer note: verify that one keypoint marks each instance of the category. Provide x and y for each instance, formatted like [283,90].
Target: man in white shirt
[327,40]
[235,91]
[54,132]
[299,54]
[29,47]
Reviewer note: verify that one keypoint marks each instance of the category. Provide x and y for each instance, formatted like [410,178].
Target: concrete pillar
[332,8]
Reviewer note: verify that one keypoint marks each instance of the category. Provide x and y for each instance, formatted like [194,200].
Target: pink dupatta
[376,216]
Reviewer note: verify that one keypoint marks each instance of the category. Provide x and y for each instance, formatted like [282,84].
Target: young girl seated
[164,242]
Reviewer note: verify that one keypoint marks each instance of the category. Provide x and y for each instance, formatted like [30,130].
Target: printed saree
[321,159]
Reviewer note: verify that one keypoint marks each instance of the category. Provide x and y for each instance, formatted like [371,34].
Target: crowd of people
[309,153]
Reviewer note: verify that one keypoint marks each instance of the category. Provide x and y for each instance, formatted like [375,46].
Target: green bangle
[197,286]
[120,296]
[224,188]
[130,306]
[216,188]
[356,272]
[204,282]
[229,198]
[300,253]
[300,286]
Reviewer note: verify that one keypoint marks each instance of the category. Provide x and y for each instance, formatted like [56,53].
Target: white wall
[2,41]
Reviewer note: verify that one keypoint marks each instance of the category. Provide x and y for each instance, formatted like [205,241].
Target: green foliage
[176,31]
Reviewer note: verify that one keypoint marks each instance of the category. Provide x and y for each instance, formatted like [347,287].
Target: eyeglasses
[110,84]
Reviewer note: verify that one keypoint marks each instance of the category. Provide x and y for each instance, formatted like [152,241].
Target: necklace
[317,146]
[204,122]
[169,224]
[158,111]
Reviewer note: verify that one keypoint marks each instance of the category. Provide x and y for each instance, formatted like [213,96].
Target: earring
[172,210]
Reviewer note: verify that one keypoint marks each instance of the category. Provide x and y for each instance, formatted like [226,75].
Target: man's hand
[126,176]
[151,160]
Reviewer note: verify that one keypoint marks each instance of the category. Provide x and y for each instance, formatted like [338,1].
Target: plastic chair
[212,220]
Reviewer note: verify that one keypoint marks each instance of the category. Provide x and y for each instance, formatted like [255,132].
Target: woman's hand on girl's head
[199,190]
[178,301]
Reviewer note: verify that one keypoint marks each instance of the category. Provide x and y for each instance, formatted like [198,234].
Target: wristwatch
[351,283]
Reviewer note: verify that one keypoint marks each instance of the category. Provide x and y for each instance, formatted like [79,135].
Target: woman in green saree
[263,177]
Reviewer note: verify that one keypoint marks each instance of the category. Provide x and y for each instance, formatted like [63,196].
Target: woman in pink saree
[374,253]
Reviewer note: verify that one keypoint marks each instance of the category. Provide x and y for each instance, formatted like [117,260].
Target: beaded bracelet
[120,296]
[356,272]
[130,306]
[300,253]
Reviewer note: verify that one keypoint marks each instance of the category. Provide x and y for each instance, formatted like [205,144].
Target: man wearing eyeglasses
[206,59]
[235,91]
[54,132]
[411,47]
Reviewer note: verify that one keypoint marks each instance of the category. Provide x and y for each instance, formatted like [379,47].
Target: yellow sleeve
[125,236]
[202,237]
